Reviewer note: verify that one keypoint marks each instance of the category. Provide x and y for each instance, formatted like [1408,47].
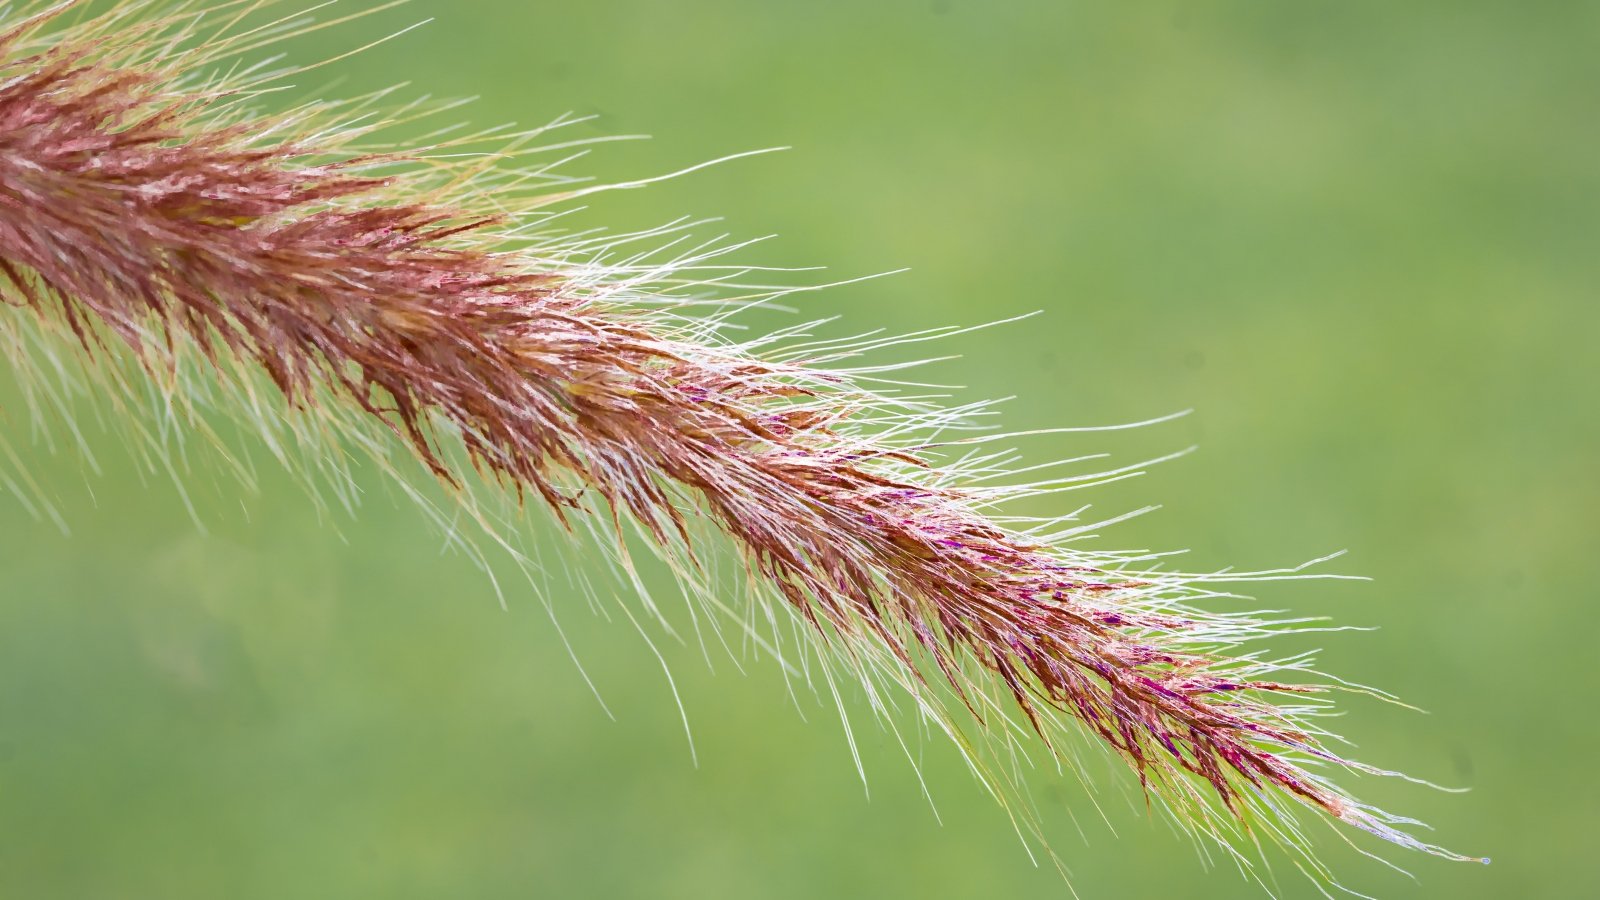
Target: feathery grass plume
[161,237]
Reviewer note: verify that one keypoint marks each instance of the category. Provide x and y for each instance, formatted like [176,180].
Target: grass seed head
[147,208]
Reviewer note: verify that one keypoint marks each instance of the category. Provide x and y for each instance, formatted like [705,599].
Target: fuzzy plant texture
[422,309]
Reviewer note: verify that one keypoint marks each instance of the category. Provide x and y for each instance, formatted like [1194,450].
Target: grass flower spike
[158,231]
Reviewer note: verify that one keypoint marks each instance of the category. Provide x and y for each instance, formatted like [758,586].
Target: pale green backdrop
[1359,238]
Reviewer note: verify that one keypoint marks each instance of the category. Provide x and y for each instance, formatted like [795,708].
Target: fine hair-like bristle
[149,210]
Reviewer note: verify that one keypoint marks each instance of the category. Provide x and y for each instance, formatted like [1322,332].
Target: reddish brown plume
[144,211]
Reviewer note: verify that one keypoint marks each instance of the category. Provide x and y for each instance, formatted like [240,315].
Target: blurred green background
[1359,238]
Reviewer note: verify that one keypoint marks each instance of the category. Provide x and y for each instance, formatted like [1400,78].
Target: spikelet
[147,210]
